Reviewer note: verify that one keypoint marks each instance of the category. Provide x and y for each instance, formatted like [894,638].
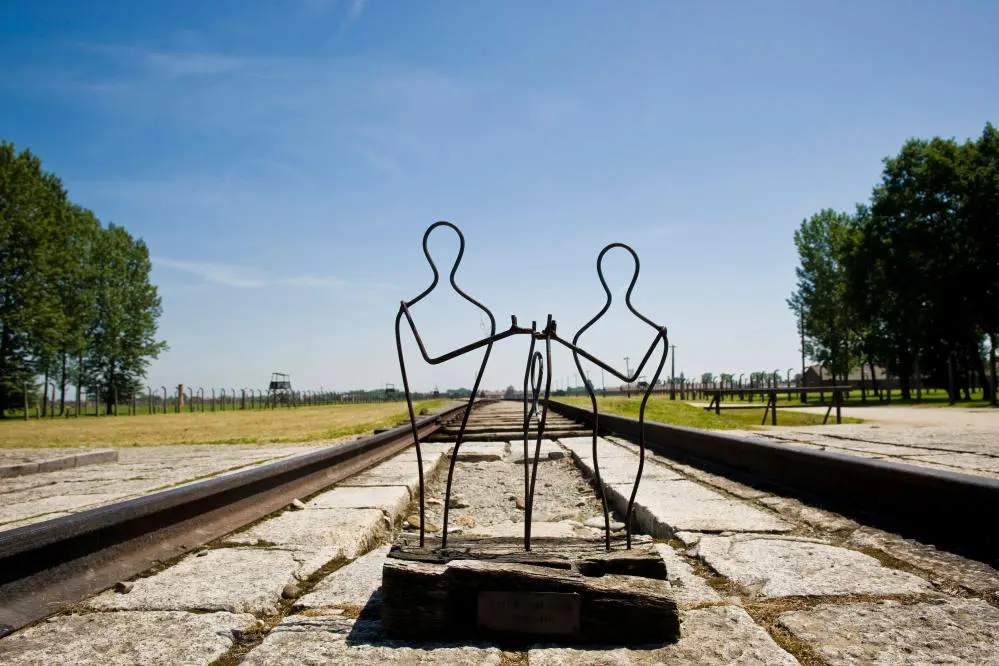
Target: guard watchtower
[279,389]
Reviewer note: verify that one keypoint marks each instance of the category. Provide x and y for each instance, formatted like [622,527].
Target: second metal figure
[538,368]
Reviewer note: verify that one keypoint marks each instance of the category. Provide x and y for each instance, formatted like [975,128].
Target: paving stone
[617,470]
[354,586]
[729,486]
[393,500]
[399,472]
[952,631]
[239,580]
[940,565]
[150,638]
[877,448]
[549,451]
[652,492]
[960,460]
[317,536]
[323,640]
[472,451]
[33,520]
[10,511]
[582,447]
[665,507]
[690,538]
[780,567]
[792,509]
[688,588]
[718,635]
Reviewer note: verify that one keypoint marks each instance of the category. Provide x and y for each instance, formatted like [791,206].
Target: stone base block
[564,590]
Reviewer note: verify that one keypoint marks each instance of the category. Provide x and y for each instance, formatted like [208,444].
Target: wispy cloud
[355,10]
[246,277]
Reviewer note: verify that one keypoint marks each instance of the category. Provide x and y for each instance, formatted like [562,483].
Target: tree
[510,392]
[121,340]
[31,201]
[982,218]
[707,378]
[821,294]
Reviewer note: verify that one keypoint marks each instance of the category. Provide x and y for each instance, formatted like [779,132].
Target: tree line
[76,304]
[909,281]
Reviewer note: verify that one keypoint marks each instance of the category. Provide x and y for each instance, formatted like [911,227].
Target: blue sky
[282,160]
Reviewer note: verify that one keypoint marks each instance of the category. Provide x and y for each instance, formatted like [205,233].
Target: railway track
[52,564]
[760,576]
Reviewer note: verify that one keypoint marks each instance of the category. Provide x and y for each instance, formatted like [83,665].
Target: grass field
[278,425]
[679,413]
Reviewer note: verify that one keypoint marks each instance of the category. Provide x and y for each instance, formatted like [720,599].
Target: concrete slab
[792,509]
[720,482]
[549,451]
[662,510]
[618,470]
[351,587]
[33,520]
[776,567]
[876,448]
[16,511]
[719,635]
[51,461]
[238,580]
[332,640]
[393,500]
[152,638]
[399,472]
[318,536]
[960,460]
[583,447]
[952,631]
[971,574]
[688,588]
[472,451]
[654,492]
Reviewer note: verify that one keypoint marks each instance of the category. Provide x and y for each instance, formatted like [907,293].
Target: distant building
[816,376]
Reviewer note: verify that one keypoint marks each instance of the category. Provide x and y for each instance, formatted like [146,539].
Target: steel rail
[950,510]
[49,565]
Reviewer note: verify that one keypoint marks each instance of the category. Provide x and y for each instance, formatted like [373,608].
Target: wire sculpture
[538,368]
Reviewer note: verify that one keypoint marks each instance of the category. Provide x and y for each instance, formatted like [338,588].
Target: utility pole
[672,373]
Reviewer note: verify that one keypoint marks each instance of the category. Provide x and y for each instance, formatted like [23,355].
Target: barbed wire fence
[47,402]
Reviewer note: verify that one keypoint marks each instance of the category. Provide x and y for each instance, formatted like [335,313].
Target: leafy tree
[121,338]
[707,378]
[821,295]
[912,282]
[31,201]
[982,217]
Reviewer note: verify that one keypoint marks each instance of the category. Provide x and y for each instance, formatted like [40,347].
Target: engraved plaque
[548,613]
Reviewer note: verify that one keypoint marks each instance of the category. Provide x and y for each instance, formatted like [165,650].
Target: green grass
[301,424]
[680,413]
